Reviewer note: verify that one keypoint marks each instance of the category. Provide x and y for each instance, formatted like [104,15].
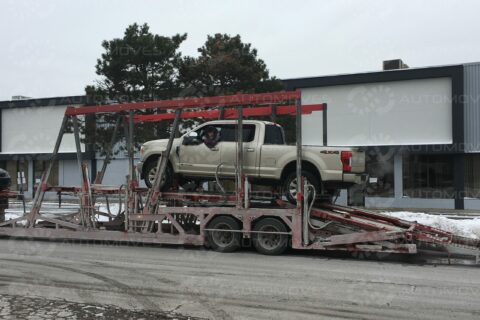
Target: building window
[379,166]
[428,176]
[39,166]
[14,167]
[472,175]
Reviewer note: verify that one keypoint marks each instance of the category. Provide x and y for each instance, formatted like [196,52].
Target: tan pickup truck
[210,149]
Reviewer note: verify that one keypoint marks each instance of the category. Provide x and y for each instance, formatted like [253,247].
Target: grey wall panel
[116,172]
[409,112]
[34,130]
[472,204]
[471,99]
[70,173]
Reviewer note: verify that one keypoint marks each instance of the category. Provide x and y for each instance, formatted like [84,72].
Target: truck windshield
[274,135]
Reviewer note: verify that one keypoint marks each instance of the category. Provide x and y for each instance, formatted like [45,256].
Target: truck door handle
[250,150]
[214,149]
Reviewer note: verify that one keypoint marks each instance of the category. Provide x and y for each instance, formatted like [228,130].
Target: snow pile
[115,208]
[10,216]
[465,227]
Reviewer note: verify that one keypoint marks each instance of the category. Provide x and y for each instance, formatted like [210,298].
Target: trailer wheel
[151,170]
[224,241]
[268,243]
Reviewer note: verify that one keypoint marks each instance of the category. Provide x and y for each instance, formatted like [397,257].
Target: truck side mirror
[191,139]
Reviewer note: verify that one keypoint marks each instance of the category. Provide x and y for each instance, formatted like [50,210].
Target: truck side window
[203,131]
[274,135]
[229,133]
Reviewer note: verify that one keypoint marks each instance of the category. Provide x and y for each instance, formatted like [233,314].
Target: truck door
[197,159]
[273,147]
[228,149]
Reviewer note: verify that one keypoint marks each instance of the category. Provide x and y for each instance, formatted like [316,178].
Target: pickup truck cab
[210,150]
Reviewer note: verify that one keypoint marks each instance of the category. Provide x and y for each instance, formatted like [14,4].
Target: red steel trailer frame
[174,217]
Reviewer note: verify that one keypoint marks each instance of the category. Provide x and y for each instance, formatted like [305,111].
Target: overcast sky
[49,48]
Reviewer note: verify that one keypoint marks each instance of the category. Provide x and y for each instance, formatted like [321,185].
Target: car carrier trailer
[224,221]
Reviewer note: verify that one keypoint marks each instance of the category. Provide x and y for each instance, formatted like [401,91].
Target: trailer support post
[273,117]
[40,192]
[131,164]
[298,132]
[153,193]
[86,200]
[76,134]
[108,156]
[300,189]
[325,125]
[239,178]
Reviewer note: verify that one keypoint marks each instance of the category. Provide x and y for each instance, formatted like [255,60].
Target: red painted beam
[8,194]
[347,221]
[230,113]
[242,99]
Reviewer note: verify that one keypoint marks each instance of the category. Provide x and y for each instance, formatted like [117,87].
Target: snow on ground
[51,209]
[463,227]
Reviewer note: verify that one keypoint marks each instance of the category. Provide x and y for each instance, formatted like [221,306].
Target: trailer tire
[224,241]
[149,174]
[270,244]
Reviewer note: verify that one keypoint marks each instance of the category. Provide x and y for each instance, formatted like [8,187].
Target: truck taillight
[346,157]
[142,151]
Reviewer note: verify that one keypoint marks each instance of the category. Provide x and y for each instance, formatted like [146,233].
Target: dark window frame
[381,166]
[55,173]
[428,176]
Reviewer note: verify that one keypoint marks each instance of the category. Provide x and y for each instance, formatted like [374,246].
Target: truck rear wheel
[290,185]
[224,241]
[270,243]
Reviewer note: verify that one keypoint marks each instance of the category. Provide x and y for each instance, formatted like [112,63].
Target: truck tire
[224,241]
[270,244]
[149,172]
[290,183]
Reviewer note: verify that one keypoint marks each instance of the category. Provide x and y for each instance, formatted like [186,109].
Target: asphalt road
[52,280]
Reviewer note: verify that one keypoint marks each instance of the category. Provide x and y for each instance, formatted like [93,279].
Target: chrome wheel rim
[292,187]
[152,174]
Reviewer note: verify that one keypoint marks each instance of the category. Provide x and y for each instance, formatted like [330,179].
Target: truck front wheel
[290,185]
[150,171]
